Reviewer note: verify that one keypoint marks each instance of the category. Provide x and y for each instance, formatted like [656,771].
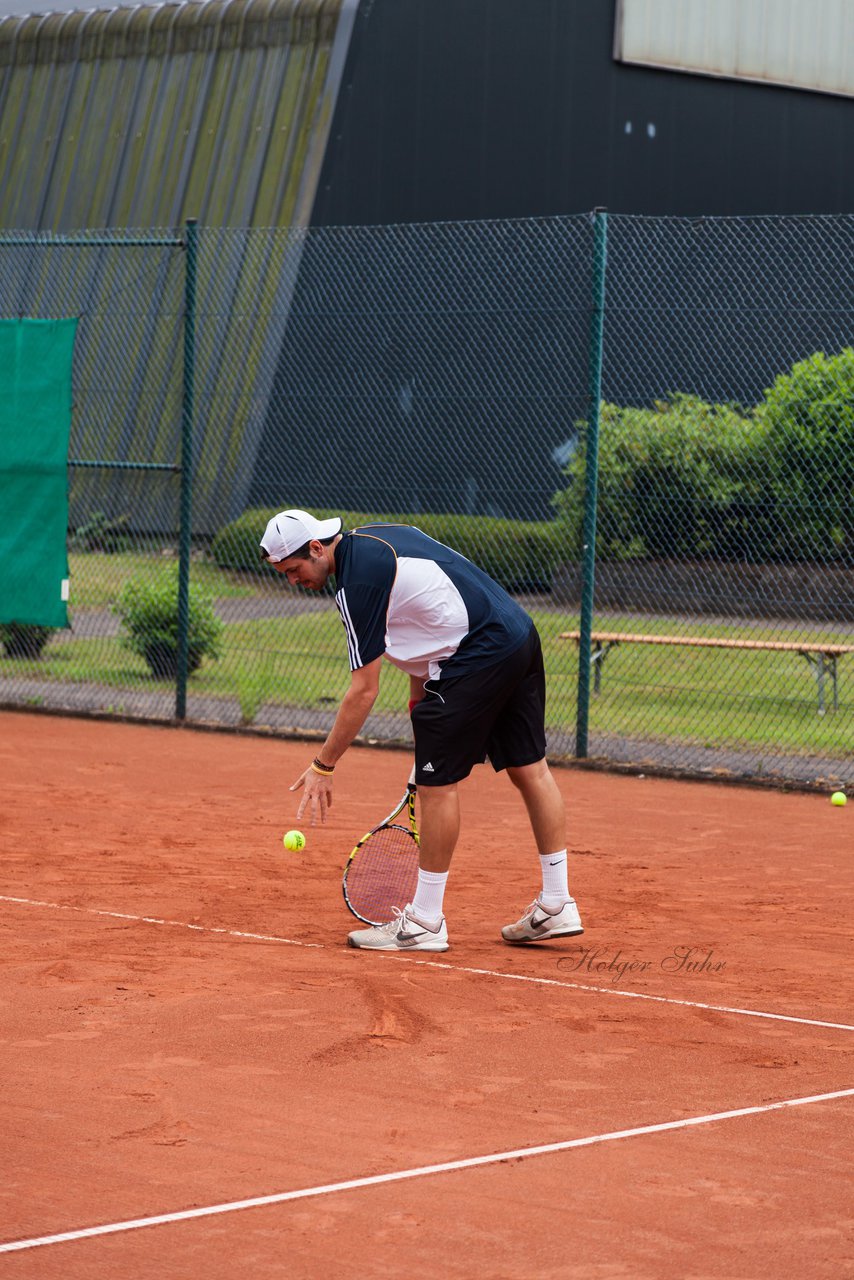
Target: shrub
[24,639]
[519,554]
[808,416]
[682,479]
[101,533]
[688,479]
[148,607]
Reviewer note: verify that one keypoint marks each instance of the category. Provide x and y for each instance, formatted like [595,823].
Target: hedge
[808,421]
[685,479]
[677,480]
[519,554]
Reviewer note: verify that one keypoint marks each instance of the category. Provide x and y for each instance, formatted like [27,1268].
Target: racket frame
[406,803]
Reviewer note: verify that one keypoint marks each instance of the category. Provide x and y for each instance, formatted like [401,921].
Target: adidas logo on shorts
[427,768]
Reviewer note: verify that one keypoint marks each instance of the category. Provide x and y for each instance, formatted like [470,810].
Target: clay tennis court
[184,1029]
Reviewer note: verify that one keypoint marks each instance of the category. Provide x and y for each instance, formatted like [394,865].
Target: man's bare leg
[544,803]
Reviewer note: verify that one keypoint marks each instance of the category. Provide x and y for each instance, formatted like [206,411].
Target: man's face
[311,573]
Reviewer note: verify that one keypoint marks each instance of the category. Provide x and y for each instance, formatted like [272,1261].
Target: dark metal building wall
[498,108]
[488,109]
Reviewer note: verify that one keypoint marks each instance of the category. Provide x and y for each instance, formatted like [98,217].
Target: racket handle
[411,782]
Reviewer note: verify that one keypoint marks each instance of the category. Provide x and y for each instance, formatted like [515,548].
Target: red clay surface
[150,1068]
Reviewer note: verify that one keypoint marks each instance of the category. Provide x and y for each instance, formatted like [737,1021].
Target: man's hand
[352,714]
[317,795]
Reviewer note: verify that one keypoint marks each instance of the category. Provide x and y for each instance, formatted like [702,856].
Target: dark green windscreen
[35,420]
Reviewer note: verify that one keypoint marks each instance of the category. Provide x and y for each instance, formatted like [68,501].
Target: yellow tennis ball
[293,840]
[839,797]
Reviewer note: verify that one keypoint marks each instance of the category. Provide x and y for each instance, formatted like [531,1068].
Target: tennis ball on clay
[839,797]
[293,840]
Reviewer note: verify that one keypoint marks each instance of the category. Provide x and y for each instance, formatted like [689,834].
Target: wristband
[325,770]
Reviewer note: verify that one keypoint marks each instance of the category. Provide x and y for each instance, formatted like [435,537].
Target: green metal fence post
[185,518]
[591,476]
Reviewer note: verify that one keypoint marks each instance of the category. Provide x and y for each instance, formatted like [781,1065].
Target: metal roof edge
[177,27]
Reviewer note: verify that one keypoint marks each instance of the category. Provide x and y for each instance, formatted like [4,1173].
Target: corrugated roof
[147,116]
[141,118]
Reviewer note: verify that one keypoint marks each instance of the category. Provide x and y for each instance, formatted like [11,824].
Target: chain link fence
[127,288]
[725,541]
[455,375]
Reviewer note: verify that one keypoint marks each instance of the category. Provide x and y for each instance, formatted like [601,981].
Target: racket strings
[383,875]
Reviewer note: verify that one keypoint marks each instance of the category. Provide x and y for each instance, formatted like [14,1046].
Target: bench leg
[823,663]
[597,660]
[831,659]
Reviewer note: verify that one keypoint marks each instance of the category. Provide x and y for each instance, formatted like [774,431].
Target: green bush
[101,533]
[808,418]
[682,479]
[689,479]
[24,639]
[148,607]
[519,554]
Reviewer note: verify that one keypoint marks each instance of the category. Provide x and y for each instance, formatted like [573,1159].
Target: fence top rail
[46,239]
[711,642]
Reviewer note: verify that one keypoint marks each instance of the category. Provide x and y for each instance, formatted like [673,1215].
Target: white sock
[555,886]
[427,903]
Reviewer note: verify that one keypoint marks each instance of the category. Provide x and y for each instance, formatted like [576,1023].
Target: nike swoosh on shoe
[410,938]
[538,924]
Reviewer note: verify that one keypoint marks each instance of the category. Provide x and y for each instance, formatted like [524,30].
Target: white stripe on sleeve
[352,638]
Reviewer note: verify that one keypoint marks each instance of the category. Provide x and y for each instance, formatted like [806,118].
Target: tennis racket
[382,871]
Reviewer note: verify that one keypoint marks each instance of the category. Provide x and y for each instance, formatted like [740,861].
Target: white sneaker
[539,923]
[403,933]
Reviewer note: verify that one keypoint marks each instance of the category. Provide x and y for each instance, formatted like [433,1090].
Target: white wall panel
[805,44]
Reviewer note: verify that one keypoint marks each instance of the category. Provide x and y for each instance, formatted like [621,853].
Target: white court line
[637,995]
[454,968]
[176,924]
[401,1175]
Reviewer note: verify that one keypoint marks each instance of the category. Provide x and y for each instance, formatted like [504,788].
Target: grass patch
[301,661]
[710,697]
[716,698]
[96,580]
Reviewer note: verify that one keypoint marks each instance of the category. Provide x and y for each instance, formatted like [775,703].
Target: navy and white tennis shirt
[426,607]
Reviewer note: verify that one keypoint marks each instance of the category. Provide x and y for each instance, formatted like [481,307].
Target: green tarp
[35,420]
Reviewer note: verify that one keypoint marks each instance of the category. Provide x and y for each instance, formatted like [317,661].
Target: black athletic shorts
[497,712]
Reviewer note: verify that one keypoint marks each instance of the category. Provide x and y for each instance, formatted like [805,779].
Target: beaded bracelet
[325,770]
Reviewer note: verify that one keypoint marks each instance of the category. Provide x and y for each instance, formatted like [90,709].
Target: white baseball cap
[290,530]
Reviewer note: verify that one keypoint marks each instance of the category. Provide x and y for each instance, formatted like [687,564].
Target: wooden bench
[821,657]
